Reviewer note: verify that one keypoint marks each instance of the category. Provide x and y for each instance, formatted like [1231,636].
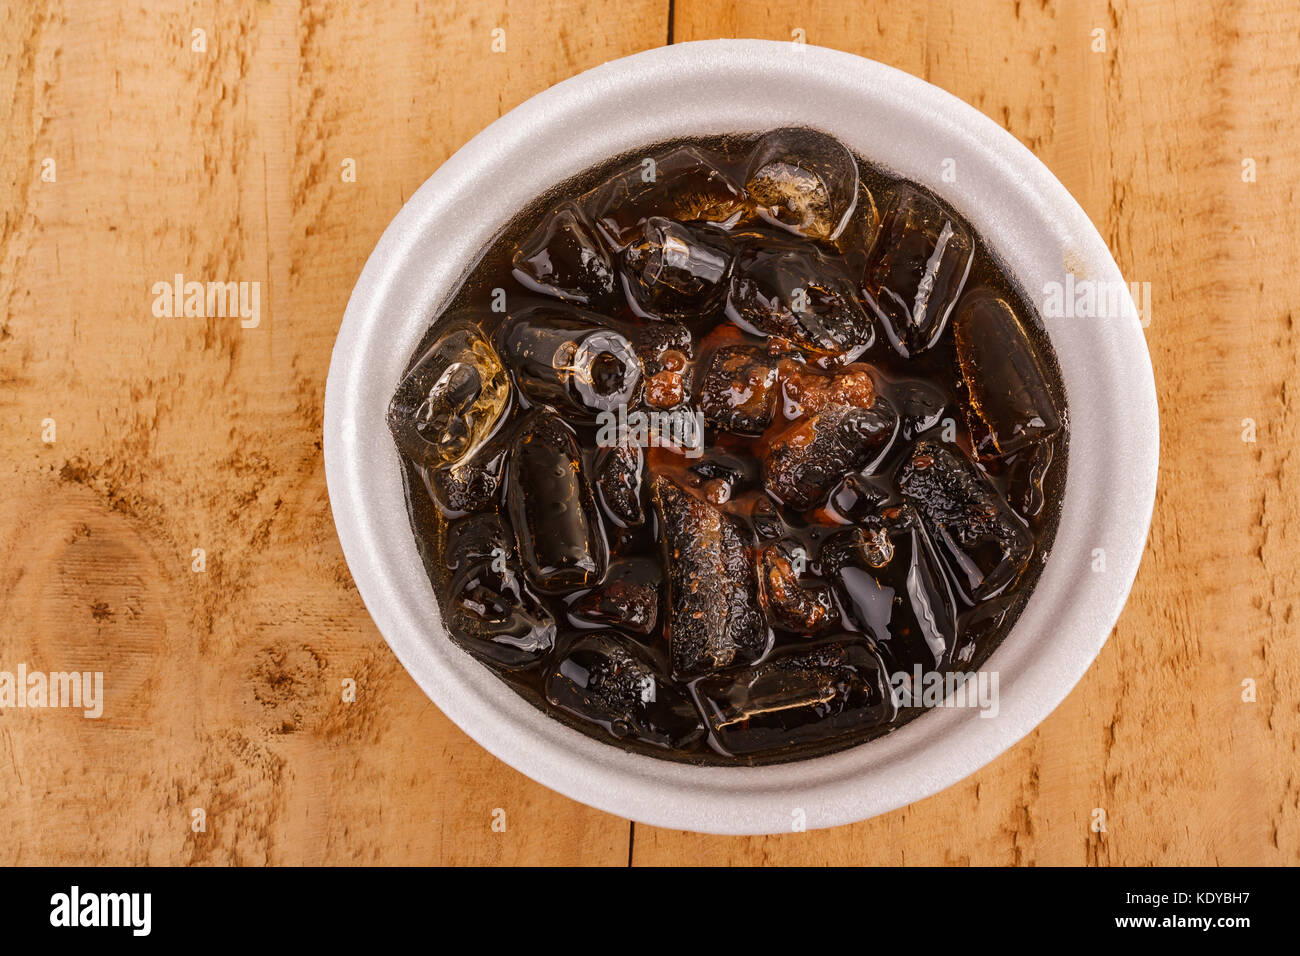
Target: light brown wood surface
[223,687]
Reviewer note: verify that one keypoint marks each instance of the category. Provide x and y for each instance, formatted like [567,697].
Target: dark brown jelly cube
[803,181]
[799,696]
[618,482]
[571,359]
[602,678]
[801,294]
[676,271]
[713,616]
[1008,404]
[492,613]
[474,484]
[738,392]
[892,588]
[563,257]
[628,598]
[810,457]
[791,598]
[451,400]
[984,544]
[683,184]
[551,507]
[916,270]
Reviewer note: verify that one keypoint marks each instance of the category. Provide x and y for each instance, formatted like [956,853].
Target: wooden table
[130,156]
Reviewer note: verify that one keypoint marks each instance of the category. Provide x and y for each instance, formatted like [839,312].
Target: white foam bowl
[906,126]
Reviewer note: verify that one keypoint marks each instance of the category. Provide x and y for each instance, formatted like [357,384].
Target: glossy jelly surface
[723,444]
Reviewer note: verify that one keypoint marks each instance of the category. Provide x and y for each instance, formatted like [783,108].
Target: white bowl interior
[905,125]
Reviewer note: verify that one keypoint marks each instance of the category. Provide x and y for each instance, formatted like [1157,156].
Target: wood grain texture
[224,687]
